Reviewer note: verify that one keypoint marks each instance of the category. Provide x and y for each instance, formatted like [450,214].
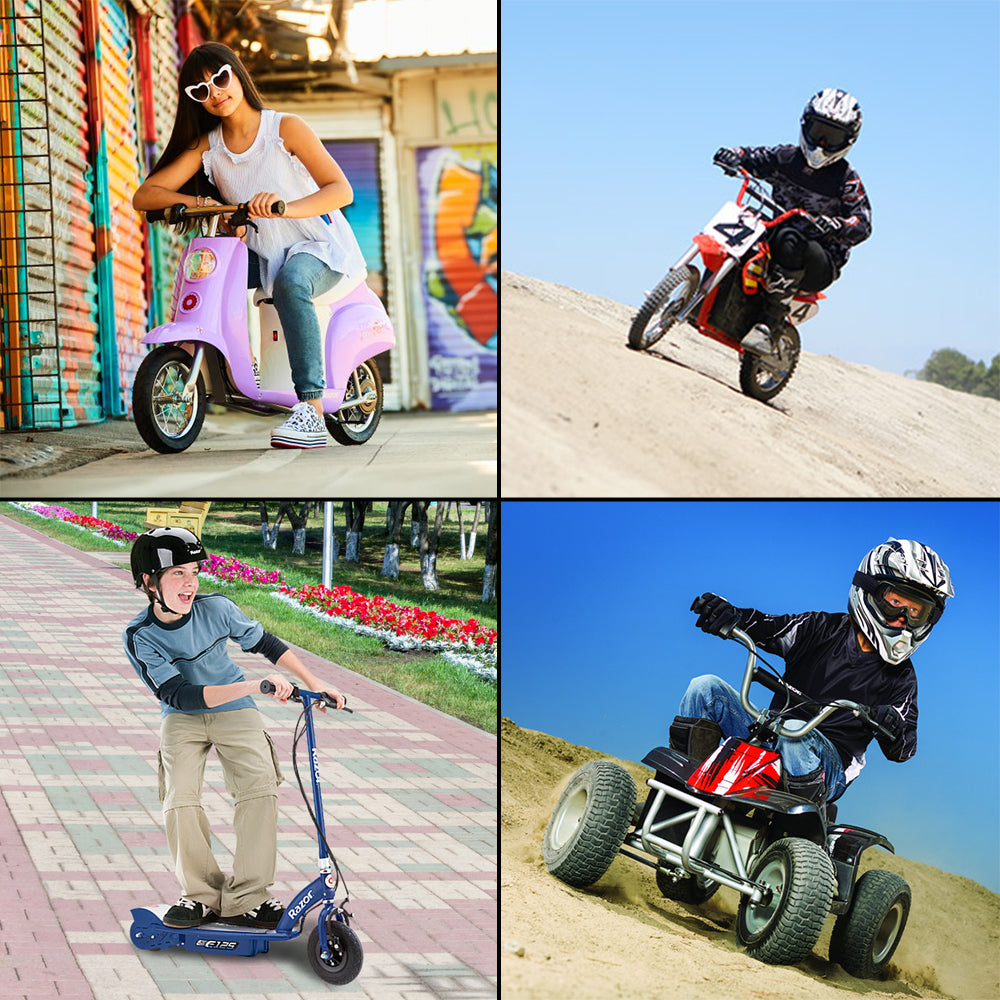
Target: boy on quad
[896,597]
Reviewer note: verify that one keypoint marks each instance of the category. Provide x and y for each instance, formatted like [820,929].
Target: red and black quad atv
[729,821]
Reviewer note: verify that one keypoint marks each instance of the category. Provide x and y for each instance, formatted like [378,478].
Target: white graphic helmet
[910,570]
[830,126]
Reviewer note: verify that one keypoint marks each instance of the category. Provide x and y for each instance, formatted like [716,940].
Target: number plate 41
[735,229]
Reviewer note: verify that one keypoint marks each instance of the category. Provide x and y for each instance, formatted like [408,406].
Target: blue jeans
[302,277]
[710,697]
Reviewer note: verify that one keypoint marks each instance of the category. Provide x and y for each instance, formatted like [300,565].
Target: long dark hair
[193,120]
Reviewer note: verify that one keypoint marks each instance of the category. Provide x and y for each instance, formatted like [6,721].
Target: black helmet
[160,548]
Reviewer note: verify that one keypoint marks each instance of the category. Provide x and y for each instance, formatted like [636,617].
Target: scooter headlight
[199,264]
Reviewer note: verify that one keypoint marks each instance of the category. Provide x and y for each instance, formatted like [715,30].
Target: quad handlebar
[267,687]
[779,685]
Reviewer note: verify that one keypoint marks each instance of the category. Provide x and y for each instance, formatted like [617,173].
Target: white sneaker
[303,429]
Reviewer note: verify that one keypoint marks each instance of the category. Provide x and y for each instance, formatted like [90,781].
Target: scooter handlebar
[267,687]
[177,213]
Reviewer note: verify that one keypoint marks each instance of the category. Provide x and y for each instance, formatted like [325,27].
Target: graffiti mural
[458,199]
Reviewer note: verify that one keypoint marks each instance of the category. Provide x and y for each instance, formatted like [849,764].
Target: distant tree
[954,370]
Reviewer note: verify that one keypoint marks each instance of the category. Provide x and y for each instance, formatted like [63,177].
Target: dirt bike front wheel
[662,307]
[764,377]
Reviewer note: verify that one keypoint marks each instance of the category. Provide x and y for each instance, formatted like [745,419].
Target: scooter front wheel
[343,948]
[167,421]
[356,424]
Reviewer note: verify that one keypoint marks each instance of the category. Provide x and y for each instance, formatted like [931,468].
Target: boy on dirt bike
[813,176]
[897,595]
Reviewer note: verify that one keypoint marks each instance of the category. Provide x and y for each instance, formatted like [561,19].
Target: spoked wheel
[660,310]
[167,421]
[343,949]
[356,424]
[764,377]
[865,937]
[784,927]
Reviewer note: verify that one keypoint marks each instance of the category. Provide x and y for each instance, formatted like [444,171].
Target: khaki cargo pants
[252,777]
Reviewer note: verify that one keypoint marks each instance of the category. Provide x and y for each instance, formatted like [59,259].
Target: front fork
[709,281]
[192,381]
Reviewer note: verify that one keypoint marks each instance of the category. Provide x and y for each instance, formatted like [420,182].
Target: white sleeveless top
[268,166]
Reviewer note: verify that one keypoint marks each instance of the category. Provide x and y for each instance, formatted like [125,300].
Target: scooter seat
[339,291]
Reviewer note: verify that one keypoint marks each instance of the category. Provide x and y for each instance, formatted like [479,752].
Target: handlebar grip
[156,215]
[278,208]
[266,687]
[698,605]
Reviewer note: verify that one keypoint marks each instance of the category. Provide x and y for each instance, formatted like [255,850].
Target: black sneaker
[265,916]
[187,913]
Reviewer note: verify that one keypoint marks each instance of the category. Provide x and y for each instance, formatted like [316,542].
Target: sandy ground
[586,416]
[621,938]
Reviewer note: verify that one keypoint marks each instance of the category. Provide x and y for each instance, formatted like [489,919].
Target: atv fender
[845,845]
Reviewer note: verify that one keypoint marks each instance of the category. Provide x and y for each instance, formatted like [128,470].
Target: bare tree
[491,571]
[394,515]
[428,541]
[269,533]
[354,513]
[298,519]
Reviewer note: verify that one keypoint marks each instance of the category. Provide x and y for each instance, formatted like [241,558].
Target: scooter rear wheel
[357,424]
[167,422]
[345,952]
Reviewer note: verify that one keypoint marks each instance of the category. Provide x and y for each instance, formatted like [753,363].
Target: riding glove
[887,716]
[717,615]
[727,157]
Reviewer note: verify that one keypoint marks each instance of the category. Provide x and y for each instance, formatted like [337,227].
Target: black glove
[716,615]
[729,158]
[887,716]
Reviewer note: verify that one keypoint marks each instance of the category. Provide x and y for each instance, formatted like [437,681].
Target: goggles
[220,79]
[887,595]
[826,134]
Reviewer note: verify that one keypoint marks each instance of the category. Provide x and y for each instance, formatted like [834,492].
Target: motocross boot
[697,738]
[782,284]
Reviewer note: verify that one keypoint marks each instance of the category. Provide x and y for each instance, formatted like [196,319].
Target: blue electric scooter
[335,954]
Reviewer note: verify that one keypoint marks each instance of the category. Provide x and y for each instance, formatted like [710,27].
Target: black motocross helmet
[159,549]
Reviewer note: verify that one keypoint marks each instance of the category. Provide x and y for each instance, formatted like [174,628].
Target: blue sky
[599,643]
[614,111]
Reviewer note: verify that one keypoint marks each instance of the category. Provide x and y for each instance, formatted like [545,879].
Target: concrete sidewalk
[409,794]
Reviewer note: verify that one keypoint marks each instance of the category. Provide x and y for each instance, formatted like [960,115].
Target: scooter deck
[149,932]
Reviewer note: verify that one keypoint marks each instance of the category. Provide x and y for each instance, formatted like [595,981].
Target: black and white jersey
[835,191]
[824,661]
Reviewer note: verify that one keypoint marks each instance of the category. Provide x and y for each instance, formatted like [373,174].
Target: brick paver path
[409,794]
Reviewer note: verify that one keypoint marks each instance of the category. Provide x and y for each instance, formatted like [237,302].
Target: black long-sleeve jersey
[835,191]
[824,661]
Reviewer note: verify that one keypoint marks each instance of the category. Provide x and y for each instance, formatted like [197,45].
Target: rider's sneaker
[758,340]
[187,913]
[266,915]
[303,429]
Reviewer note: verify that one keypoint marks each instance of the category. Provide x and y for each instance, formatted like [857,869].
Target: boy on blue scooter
[226,144]
[178,648]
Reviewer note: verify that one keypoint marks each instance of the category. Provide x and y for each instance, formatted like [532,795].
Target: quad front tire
[589,823]
[865,937]
[783,928]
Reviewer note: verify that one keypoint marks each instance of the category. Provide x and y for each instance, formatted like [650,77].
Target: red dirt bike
[724,302]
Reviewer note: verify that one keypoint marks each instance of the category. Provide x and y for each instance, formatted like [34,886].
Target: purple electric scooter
[225,345]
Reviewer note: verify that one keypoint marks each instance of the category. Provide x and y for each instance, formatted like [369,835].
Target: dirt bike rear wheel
[589,823]
[764,377]
[668,299]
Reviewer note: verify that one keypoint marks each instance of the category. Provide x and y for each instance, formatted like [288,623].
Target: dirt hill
[582,415]
[621,938]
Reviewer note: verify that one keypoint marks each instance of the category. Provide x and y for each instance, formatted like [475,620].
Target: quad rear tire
[784,929]
[671,295]
[763,378]
[589,823]
[865,938]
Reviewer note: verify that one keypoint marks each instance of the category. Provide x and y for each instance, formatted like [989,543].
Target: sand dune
[621,938]
[582,415]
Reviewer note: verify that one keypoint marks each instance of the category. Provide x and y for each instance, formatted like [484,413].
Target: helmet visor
[899,605]
[826,134]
